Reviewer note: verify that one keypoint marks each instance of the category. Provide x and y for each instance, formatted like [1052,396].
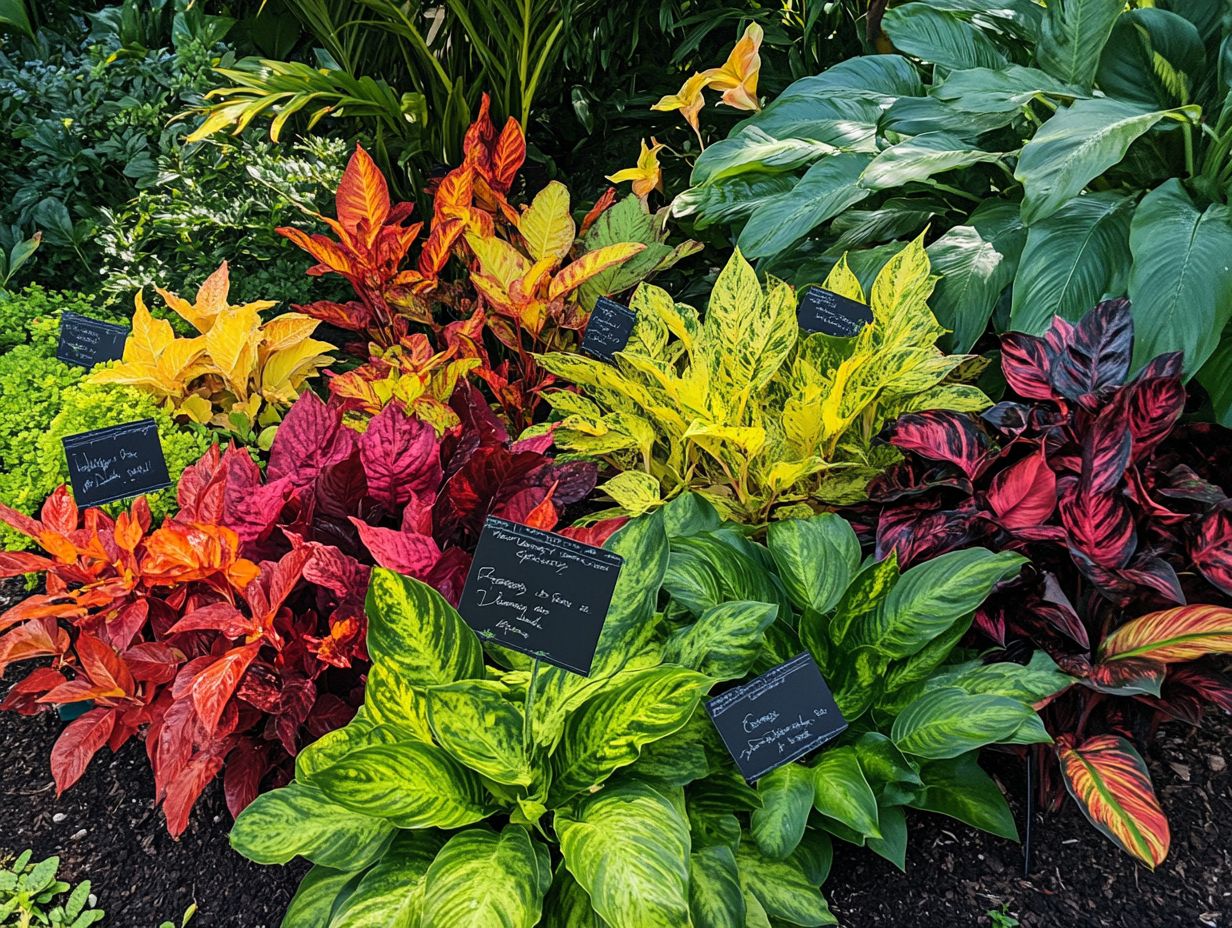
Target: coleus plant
[747,410]
[235,631]
[1131,575]
[237,372]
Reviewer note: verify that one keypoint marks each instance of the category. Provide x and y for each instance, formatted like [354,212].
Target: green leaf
[391,701]
[390,895]
[941,37]
[753,150]
[724,641]
[1216,377]
[864,596]
[782,888]
[826,189]
[892,845]
[706,572]
[1077,145]
[816,558]
[610,730]
[412,629]
[1000,90]
[628,846]
[568,905]
[960,789]
[715,897]
[299,820]
[1181,283]
[732,199]
[889,773]
[1029,684]
[948,722]
[882,77]
[413,785]
[1071,260]
[335,745]
[475,723]
[482,879]
[976,262]
[841,792]
[1154,57]
[13,13]
[787,798]
[930,598]
[916,159]
[1072,36]
[320,892]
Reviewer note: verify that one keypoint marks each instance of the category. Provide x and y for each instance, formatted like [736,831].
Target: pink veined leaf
[407,553]
[1024,494]
[1096,358]
[310,438]
[942,435]
[401,457]
[1026,365]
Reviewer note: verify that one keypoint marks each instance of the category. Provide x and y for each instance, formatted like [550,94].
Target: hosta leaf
[782,888]
[389,700]
[715,897]
[475,723]
[1071,260]
[887,771]
[816,558]
[1029,684]
[948,722]
[892,845]
[731,199]
[940,36]
[961,789]
[628,846]
[1077,145]
[1180,286]
[412,785]
[1112,786]
[864,596]
[390,895]
[300,820]
[841,792]
[1173,635]
[320,892]
[919,158]
[568,905]
[413,629]
[724,641]
[787,798]
[333,746]
[753,150]
[1072,36]
[481,879]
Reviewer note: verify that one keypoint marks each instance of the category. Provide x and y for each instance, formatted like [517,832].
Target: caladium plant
[1130,582]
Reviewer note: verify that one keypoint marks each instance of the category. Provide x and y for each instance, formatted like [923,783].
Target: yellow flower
[737,78]
[647,176]
[689,101]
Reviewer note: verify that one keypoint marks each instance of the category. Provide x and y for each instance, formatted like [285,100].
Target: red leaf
[60,512]
[596,534]
[184,790]
[1025,363]
[241,779]
[941,435]
[153,662]
[1024,494]
[41,637]
[1100,525]
[16,563]
[1154,402]
[1211,549]
[310,438]
[1095,360]
[406,552]
[362,201]
[77,744]
[221,617]
[214,686]
[401,457]
[104,666]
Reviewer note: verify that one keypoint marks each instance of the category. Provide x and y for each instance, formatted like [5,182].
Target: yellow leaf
[592,263]
[197,408]
[149,336]
[498,259]
[843,281]
[284,371]
[286,330]
[634,491]
[546,226]
[232,343]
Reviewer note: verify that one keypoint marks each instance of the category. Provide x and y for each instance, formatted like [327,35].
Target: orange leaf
[363,197]
[600,207]
[103,666]
[590,264]
[37,638]
[1183,633]
[1112,786]
[60,512]
[214,686]
[328,253]
[508,153]
[77,744]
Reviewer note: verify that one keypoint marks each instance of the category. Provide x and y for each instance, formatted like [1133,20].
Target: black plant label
[539,593]
[825,311]
[116,462]
[776,718]
[86,342]
[608,330]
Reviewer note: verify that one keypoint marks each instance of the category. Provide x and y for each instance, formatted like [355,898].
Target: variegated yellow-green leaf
[481,879]
[413,785]
[390,895]
[635,491]
[628,846]
[841,792]
[546,226]
[390,699]
[716,899]
[782,888]
[611,729]
[863,596]
[314,900]
[334,745]
[474,722]
[414,631]
[816,558]
[299,820]
[568,905]
[724,641]
[787,798]
[948,722]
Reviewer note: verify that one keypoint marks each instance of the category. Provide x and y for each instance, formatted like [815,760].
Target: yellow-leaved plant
[743,407]
[237,373]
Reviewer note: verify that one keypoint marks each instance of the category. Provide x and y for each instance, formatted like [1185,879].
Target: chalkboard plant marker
[825,311]
[608,330]
[86,342]
[776,718]
[539,593]
[117,462]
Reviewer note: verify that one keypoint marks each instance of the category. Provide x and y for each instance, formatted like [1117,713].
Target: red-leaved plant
[234,633]
[1131,549]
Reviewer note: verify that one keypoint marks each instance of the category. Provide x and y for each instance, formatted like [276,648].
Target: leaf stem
[528,728]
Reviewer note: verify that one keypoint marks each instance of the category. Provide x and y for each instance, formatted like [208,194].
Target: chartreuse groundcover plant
[746,409]
[474,793]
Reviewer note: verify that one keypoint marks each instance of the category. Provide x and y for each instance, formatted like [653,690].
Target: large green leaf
[783,888]
[893,778]
[1077,145]
[1072,36]
[930,598]
[320,893]
[1000,90]
[841,792]
[13,13]
[882,77]
[610,730]
[940,36]
[1153,56]
[826,189]
[1216,377]
[947,722]
[731,199]
[481,879]
[390,701]
[705,571]
[787,798]
[1181,283]
[864,596]
[628,846]
[753,150]
[919,158]
[390,895]
[1029,683]
[412,629]
[298,820]
[716,899]
[413,785]
[474,722]
[892,845]
[816,558]
[846,121]
[960,789]
[976,262]
[568,905]
[724,641]
[1071,260]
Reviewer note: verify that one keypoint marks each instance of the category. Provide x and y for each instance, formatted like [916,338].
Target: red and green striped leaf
[1112,786]
[1170,636]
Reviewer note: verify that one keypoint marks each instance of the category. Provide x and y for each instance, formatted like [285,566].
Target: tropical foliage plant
[747,410]
[1088,474]
[1059,154]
